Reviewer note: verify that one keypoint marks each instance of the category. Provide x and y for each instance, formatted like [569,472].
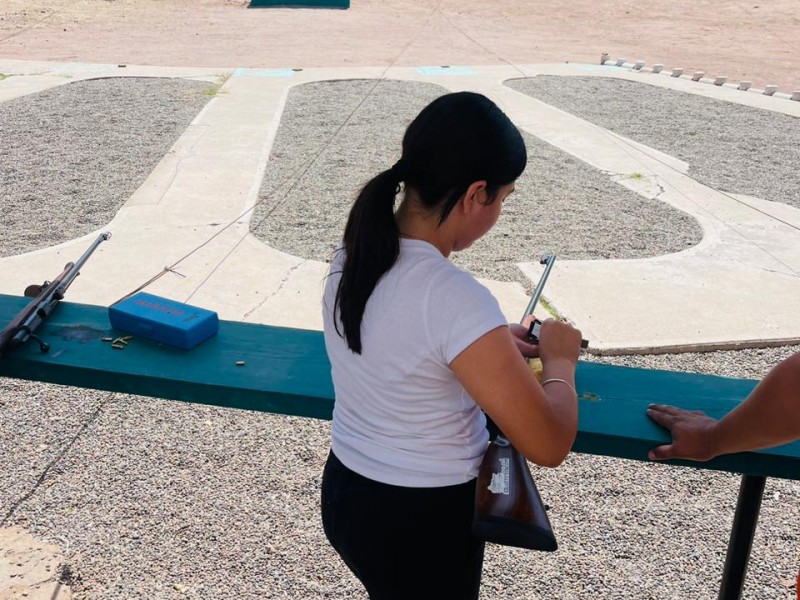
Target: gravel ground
[161,499]
[729,147]
[72,155]
[331,141]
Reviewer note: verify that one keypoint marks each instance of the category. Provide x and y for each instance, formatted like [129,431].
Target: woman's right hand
[559,341]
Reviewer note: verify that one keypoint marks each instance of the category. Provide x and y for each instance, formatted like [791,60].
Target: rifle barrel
[76,267]
[549,259]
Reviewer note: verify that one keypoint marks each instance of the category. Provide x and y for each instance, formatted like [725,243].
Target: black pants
[403,543]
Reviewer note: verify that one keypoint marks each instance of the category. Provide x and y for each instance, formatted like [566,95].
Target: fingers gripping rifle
[45,297]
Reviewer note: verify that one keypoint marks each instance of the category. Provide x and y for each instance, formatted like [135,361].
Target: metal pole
[751,490]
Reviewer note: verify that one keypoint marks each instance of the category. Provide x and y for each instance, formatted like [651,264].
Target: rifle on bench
[45,297]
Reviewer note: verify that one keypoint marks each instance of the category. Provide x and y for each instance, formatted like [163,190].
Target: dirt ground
[743,39]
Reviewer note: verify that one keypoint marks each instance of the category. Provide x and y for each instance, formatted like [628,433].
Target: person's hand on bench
[769,416]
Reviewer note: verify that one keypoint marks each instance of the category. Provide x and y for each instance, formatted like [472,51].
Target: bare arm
[769,416]
[541,422]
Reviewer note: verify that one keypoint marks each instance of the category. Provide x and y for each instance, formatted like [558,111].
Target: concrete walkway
[739,287]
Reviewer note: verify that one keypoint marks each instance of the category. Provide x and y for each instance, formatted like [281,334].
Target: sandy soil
[743,40]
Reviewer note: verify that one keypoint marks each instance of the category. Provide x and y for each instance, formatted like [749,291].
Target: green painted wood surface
[286,371]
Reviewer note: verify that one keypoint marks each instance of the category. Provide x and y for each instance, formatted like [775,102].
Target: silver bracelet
[565,382]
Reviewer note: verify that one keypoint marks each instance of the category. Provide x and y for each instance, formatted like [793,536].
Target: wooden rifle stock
[44,299]
[508,507]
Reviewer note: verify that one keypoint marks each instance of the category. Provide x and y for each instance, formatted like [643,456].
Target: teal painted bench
[286,371]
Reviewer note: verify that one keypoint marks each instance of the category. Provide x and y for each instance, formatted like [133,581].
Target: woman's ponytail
[371,246]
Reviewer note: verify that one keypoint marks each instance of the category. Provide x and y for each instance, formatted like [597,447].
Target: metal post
[751,491]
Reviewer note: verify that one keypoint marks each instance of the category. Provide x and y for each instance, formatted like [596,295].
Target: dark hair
[457,139]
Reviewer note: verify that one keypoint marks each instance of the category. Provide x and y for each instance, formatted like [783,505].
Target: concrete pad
[193,212]
[667,305]
[728,92]
[750,245]
[208,180]
[28,77]
[192,216]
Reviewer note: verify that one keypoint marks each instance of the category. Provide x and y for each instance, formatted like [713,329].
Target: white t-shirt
[401,416]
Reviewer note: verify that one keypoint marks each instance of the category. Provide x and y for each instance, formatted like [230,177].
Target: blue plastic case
[163,320]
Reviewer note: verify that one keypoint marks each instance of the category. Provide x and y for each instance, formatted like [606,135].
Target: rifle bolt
[121,340]
[126,338]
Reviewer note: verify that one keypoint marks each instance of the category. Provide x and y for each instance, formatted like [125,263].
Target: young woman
[419,350]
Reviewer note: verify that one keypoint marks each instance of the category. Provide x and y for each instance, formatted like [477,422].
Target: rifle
[508,507]
[45,297]
[536,325]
